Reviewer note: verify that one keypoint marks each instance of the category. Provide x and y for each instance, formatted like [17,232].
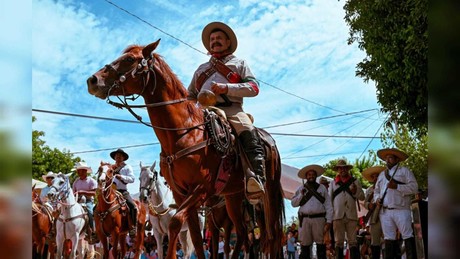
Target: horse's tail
[274,214]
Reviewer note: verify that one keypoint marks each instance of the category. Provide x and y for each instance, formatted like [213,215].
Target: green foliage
[355,171]
[13,163]
[412,144]
[394,35]
[46,159]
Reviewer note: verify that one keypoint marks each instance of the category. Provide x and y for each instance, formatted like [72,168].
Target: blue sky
[299,47]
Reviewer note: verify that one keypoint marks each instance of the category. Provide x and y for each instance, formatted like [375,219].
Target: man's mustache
[216,44]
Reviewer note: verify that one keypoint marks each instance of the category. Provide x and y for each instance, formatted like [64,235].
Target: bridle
[144,69]
[63,192]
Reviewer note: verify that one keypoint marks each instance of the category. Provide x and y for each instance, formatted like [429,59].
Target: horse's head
[104,175]
[124,75]
[147,179]
[60,187]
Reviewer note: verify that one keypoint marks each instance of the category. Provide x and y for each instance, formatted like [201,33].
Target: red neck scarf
[345,179]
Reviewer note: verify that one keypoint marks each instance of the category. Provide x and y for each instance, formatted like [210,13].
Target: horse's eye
[129,59]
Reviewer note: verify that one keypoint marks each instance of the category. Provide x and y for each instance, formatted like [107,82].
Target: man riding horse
[230,79]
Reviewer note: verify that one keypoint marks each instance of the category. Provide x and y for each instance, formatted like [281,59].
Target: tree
[46,159]
[416,147]
[394,35]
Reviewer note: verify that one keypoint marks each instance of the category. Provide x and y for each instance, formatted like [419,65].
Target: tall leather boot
[254,151]
[354,252]
[375,250]
[304,252]
[390,249]
[339,252]
[411,250]
[321,251]
[133,230]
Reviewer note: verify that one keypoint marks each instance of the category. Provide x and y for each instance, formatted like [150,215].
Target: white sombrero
[317,168]
[82,165]
[219,26]
[49,174]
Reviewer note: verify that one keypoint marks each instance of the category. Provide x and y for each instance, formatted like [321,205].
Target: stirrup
[133,232]
[254,185]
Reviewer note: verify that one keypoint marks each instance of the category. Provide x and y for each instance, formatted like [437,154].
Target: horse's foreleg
[235,213]
[195,231]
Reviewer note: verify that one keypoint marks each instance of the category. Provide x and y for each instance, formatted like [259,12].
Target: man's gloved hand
[219,88]
[392,185]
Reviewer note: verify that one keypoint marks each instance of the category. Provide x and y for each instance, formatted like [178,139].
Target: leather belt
[224,104]
[318,215]
[389,208]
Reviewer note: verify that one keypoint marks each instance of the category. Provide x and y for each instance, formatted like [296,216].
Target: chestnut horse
[188,160]
[42,221]
[111,217]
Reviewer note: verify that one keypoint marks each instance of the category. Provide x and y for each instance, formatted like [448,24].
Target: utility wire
[112,148]
[84,116]
[372,139]
[317,119]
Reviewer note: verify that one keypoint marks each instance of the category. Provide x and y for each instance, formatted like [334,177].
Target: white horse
[153,185]
[71,220]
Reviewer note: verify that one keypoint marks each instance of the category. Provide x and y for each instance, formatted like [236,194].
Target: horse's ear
[152,168]
[140,164]
[147,51]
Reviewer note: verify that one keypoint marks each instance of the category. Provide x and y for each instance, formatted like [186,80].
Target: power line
[112,148]
[330,154]
[317,119]
[84,116]
[321,136]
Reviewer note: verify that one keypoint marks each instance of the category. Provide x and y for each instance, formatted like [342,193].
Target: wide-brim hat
[382,153]
[372,170]
[342,163]
[49,174]
[126,156]
[323,180]
[221,26]
[82,165]
[317,168]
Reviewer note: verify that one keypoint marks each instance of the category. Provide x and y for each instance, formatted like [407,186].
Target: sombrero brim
[112,154]
[88,169]
[46,176]
[382,153]
[372,170]
[225,28]
[337,167]
[317,168]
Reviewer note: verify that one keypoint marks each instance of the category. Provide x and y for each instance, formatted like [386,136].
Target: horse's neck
[69,206]
[161,195]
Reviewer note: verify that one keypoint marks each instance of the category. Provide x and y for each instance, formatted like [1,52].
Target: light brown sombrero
[317,168]
[372,170]
[382,153]
[221,26]
[342,163]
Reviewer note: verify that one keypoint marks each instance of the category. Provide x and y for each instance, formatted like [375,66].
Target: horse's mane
[171,80]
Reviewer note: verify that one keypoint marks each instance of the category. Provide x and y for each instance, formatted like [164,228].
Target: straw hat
[221,26]
[382,153]
[126,156]
[49,174]
[317,168]
[323,180]
[342,163]
[372,170]
[82,165]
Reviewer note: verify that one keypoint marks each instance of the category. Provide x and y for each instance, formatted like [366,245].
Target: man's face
[49,180]
[119,158]
[343,171]
[391,160]
[374,177]
[219,42]
[82,173]
[311,176]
